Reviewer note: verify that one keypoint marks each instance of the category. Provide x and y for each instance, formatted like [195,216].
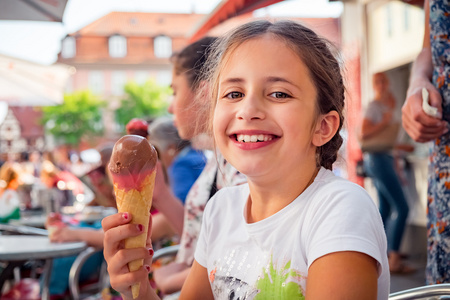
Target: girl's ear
[326,127]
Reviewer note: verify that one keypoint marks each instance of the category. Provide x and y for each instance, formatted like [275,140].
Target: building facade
[122,47]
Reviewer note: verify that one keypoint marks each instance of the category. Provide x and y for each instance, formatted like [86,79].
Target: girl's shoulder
[334,188]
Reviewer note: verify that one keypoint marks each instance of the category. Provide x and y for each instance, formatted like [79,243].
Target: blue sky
[40,41]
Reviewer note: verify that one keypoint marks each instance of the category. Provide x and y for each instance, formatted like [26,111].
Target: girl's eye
[234,95]
[280,95]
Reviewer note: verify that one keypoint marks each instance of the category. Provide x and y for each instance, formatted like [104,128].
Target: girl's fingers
[115,220]
[116,230]
[118,264]
[148,244]
[123,282]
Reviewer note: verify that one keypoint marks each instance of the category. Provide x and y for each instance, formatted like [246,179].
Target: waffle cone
[138,204]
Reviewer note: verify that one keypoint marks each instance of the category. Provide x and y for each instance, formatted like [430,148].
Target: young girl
[295,231]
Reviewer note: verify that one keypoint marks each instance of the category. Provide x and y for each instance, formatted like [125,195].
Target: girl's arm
[197,284]
[92,237]
[342,275]
[166,202]
[116,230]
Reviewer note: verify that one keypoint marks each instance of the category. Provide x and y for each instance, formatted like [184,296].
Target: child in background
[296,230]
[9,198]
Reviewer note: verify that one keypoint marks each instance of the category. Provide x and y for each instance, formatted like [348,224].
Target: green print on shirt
[275,285]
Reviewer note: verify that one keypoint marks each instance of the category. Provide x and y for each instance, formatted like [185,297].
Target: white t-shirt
[272,256]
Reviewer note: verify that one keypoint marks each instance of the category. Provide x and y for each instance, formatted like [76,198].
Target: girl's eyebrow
[232,80]
[281,79]
[270,79]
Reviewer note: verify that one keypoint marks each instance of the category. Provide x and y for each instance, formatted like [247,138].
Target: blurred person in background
[380,122]
[9,198]
[98,180]
[60,231]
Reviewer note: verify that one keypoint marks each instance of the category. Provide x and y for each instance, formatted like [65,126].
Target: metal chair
[76,290]
[436,291]
[166,252]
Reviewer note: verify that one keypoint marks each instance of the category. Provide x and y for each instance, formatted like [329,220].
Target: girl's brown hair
[314,51]
[191,60]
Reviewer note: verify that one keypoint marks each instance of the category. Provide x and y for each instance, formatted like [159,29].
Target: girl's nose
[251,108]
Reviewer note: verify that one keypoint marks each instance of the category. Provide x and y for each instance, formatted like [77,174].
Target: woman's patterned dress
[438,265]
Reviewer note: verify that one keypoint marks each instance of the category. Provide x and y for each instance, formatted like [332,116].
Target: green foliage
[80,114]
[144,101]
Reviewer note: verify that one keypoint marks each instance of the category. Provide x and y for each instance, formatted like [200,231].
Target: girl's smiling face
[265,115]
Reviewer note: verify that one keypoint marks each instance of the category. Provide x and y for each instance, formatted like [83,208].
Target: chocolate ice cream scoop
[132,159]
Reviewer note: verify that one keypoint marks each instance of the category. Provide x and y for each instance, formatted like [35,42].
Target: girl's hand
[53,218]
[58,234]
[116,230]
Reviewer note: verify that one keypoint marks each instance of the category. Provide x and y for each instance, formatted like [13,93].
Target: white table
[17,249]
[33,221]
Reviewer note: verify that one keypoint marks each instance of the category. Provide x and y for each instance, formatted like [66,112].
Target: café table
[33,221]
[15,250]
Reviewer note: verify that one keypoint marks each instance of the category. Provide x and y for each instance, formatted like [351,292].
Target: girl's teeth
[253,138]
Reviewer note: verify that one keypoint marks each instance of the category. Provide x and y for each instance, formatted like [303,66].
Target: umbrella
[24,83]
[32,10]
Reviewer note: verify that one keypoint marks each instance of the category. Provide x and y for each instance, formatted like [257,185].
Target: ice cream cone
[138,204]
[133,170]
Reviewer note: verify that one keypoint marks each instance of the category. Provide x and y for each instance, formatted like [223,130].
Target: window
[68,49]
[117,46]
[389,20]
[406,17]
[96,82]
[118,79]
[163,46]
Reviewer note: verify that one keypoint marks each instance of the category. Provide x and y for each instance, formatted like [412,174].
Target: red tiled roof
[225,10]
[328,28]
[29,118]
[141,24]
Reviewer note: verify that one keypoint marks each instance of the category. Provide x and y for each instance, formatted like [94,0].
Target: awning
[227,9]
[24,83]
[32,10]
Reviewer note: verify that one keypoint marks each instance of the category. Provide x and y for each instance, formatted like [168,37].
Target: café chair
[432,292]
[79,290]
[166,252]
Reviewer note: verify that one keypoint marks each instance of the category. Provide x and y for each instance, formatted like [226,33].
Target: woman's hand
[116,230]
[420,126]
